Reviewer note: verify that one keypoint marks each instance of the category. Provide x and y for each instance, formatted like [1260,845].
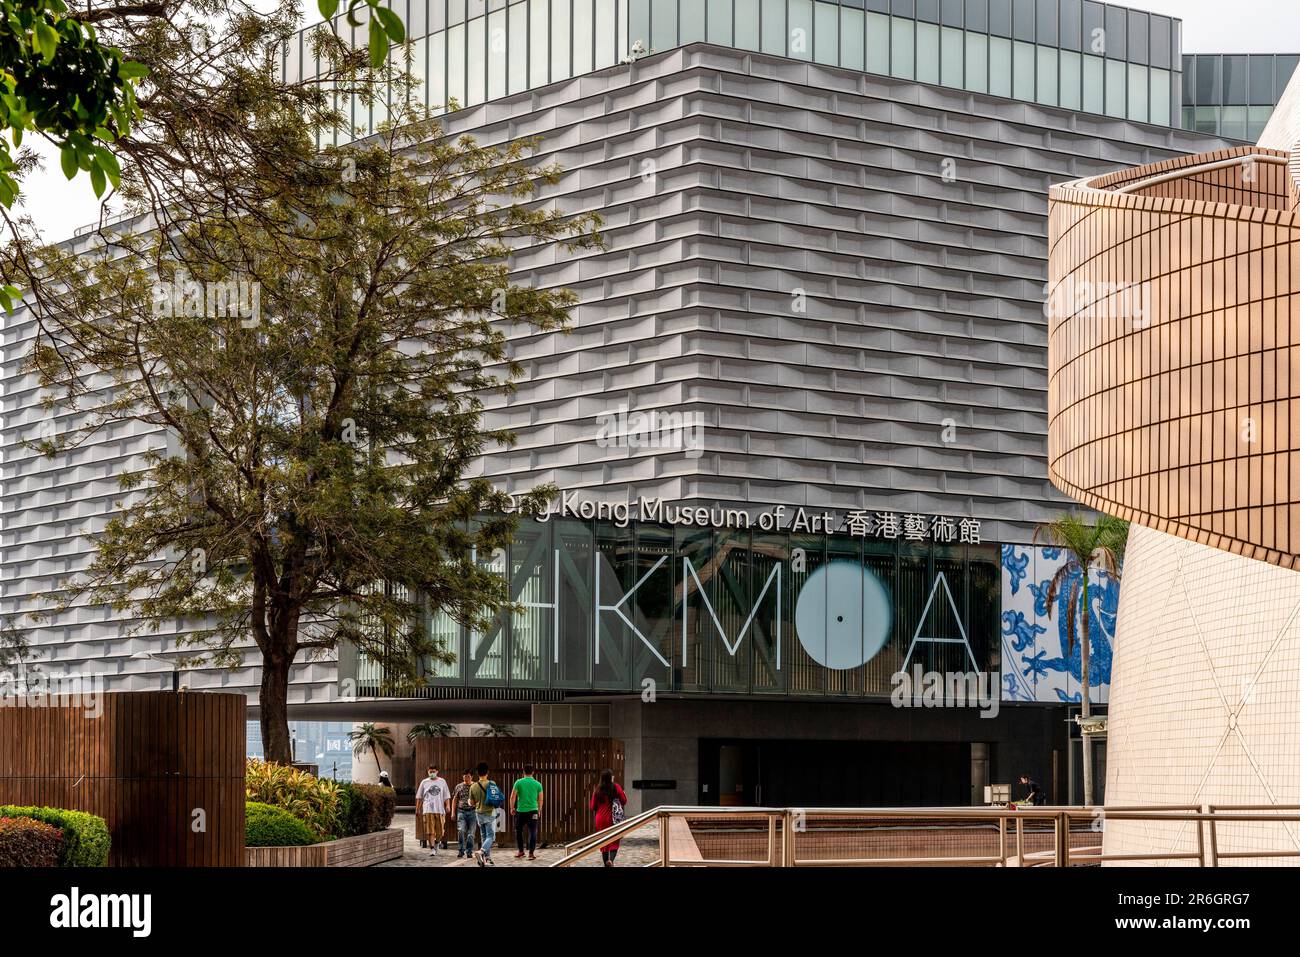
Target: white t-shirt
[432,796]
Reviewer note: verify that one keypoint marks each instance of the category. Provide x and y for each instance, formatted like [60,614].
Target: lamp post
[176,671]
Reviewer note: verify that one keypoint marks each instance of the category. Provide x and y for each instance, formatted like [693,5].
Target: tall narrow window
[496,51]
[999,66]
[456,64]
[720,22]
[1047,67]
[878,44]
[852,49]
[977,62]
[438,71]
[539,35]
[476,61]
[583,37]
[747,28]
[605,27]
[901,48]
[951,55]
[826,32]
[561,68]
[774,27]
[690,27]
[800,29]
[663,24]
[517,48]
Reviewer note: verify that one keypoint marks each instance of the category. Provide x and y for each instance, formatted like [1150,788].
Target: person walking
[432,797]
[466,819]
[526,799]
[608,801]
[487,799]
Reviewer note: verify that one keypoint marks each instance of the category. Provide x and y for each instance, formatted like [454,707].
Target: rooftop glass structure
[1076,54]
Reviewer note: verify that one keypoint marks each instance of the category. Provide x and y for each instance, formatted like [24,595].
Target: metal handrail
[781,851]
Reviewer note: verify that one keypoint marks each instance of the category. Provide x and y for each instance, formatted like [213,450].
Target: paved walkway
[637,850]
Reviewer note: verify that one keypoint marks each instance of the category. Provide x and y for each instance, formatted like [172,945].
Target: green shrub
[266,825]
[25,842]
[364,809]
[314,801]
[85,836]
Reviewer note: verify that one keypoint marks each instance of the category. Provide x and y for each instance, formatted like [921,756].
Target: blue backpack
[493,796]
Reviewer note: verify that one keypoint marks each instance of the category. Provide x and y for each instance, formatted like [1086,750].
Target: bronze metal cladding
[1174,357]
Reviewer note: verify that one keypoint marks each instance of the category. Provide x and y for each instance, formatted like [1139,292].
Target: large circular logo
[842,615]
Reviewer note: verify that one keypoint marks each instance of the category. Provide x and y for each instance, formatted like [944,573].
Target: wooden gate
[568,769]
[152,764]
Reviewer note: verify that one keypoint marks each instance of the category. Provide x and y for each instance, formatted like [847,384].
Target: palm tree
[372,738]
[1096,547]
[430,729]
[496,731]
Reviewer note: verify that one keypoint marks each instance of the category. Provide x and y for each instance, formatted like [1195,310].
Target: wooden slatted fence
[146,763]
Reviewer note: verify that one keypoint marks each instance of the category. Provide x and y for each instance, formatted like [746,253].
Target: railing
[917,837]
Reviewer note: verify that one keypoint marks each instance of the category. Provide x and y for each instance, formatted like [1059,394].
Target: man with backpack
[487,799]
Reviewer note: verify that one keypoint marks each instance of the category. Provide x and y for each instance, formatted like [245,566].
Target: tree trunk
[274,704]
[1086,705]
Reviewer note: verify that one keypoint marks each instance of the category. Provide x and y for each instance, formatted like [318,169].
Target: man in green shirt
[526,799]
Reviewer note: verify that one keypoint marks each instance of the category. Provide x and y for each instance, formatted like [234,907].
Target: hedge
[85,836]
[266,825]
[364,809]
[25,842]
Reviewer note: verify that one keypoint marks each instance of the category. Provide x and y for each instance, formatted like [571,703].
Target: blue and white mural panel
[1037,662]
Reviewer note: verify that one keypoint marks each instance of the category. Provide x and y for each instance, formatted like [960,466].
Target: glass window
[1094,84]
[1283,70]
[1022,71]
[621,43]
[1047,66]
[419,68]
[1161,97]
[927,10]
[561,67]
[437,15]
[1258,117]
[1137,37]
[1022,20]
[293,65]
[1072,24]
[438,71]
[1071,80]
[903,8]
[1139,96]
[1045,22]
[1235,80]
[900,48]
[927,53]
[1261,79]
[539,69]
[1207,80]
[583,36]
[1115,74]
[663,24]
[1233,124]
[747,24]
[800,26]
[1094,28]
[1116,32]
[517,48]
[1207,119]
[999,66]
[1189,117]
[977,62]
[476,62]
[639,22]
[826,33]
[878,44]
[1189,81]
[691,26]
[950,12]
[417,22]
[605,27]
[951,57]
[455,11]
[852,50]
[1000,17]
[496,40]
[456,64]
[879,6]
[720,22]
[977,15]
[774,27]
[1161,55]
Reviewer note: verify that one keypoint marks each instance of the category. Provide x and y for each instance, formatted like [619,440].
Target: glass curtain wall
[1076,54]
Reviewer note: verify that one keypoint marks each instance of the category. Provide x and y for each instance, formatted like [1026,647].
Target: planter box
[361,851]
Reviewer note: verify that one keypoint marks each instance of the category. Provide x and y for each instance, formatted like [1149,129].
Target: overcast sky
[1209,26]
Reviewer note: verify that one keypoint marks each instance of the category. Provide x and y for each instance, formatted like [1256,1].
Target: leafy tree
[15,648]
[372,738]
[1092,548]
[496,731]
[317,331]
[431,729]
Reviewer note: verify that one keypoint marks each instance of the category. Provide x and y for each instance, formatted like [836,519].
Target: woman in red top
[603,801]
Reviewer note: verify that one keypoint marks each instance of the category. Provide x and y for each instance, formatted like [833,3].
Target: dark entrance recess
[835,773]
